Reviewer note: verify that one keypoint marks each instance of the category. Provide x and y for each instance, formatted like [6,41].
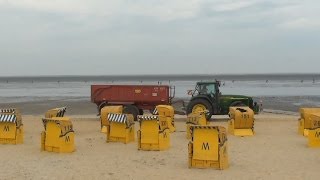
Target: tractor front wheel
[197,105]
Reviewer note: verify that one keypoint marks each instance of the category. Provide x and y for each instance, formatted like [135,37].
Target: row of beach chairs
[207,147]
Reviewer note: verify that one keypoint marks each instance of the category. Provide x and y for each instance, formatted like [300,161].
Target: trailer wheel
[100,106]
[131,109]
[140,111]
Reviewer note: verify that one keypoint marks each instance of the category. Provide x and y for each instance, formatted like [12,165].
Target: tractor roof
[209,82]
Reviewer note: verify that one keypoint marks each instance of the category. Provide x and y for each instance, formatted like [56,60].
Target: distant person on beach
[261,109]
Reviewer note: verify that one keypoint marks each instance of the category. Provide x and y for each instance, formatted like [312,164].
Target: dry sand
[275,152]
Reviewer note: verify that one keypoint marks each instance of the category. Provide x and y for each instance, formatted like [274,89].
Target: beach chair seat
[241,121]
[304,123]
[104,116]
[168,112]
[208,147]
[154,133]
[11,127]
[58,135]
[120,128]
[196,118]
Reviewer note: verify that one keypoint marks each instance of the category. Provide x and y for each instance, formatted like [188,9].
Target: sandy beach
[275,152]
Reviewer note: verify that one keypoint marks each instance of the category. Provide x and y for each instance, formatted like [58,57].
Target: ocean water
[25,89]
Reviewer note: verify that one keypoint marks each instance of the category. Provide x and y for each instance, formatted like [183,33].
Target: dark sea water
[28,89]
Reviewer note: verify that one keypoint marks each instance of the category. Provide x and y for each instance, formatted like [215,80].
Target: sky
[120,37]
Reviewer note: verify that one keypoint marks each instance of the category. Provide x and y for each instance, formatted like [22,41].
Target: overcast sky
[101,37]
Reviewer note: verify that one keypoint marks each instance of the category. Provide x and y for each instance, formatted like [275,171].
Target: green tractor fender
[231,100]
[202,97]
[237,103]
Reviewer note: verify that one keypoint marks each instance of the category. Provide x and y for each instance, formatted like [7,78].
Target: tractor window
[207,89]
[211,89]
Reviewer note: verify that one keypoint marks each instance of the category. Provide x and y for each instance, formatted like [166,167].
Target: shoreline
[83,105]
[165,77]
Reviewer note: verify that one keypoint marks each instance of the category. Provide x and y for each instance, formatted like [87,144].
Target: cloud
[163,10]
[170,10]
[301,23]
[130,34]
[233,5]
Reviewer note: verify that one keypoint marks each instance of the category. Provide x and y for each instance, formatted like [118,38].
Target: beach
[275,152]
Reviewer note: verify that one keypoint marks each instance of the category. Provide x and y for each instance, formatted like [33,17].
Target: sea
[38,88]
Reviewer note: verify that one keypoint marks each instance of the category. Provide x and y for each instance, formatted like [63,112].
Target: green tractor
[207,96]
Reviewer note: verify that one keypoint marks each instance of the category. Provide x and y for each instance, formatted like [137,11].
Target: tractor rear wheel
[197,105]
[131,109]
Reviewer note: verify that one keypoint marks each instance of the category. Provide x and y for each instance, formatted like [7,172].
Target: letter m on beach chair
[208,147]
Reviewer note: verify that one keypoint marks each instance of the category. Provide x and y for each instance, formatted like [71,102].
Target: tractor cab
[210,89]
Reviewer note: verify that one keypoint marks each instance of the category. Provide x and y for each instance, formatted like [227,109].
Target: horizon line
[161,75]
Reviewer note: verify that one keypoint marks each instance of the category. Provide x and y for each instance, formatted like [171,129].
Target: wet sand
[83,106]
[275,152]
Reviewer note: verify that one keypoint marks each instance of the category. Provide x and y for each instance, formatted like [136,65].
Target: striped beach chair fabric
[155,111]
[61,111]
[11,115]
[9,110]
[56,112]
[146,117]
[11,118]
[119,118]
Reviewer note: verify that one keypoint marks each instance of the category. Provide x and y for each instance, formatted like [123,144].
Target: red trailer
[135,98]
